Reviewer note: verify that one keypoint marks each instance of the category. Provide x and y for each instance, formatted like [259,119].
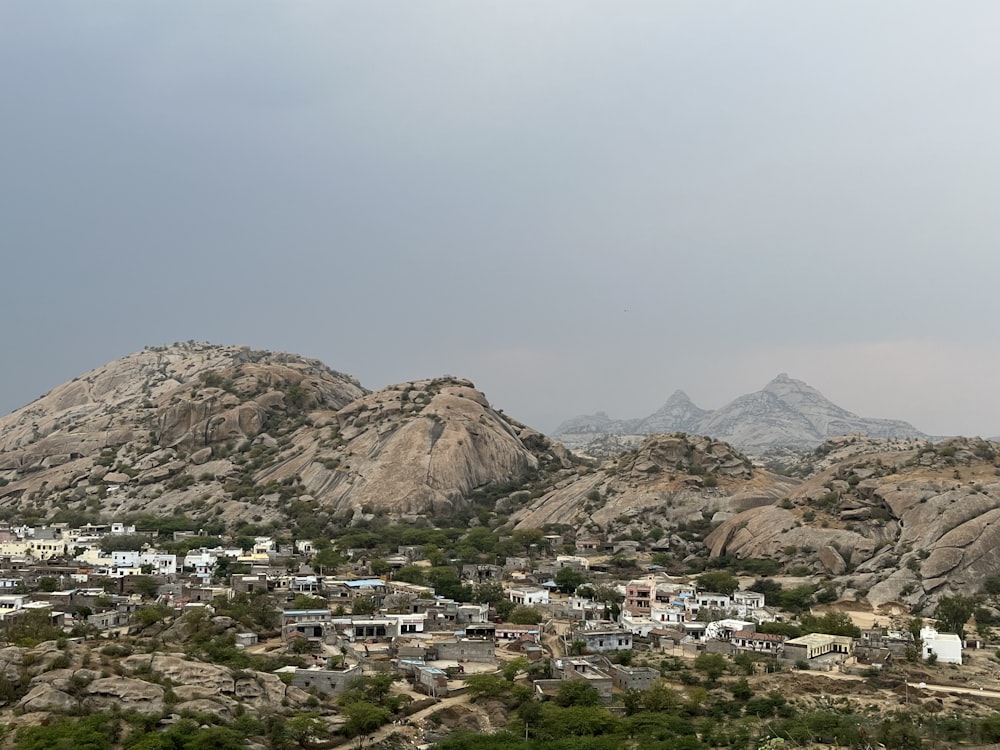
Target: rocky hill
[668,482]
[905,521]
[227,433]
[785,413]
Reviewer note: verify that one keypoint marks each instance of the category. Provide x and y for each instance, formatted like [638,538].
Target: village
[562,615]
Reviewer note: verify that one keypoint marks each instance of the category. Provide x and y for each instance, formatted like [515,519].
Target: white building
[747,604]
[264,545]
[529,595]
[304,546]
[712,600]
[946,646]
[202,561]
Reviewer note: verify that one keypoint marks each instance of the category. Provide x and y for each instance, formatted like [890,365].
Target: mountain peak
[785,412]
[678,397]
[784,379]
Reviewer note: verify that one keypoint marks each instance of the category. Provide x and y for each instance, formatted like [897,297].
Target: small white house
[529,596]
[947,647]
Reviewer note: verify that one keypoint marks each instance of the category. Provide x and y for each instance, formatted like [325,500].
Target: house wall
[466,650]
[330,681]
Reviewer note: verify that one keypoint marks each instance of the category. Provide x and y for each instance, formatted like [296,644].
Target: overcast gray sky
[577,205]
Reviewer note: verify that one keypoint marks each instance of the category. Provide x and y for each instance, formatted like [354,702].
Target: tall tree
[953,612]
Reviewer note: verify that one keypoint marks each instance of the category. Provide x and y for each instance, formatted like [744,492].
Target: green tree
[503,608]
[363,605]
[410,574]
[362,718]
[96,732]
[797,599]
[304,729]
[523,615]
[123,542]
[446,583]
[991,584]
[146,586]
[568,580]
[514,667]
[577,693]
[305,601]
[486,686]
[713,665]
[832,623]
[146,616]
[31,628]
[741,690]
[717,581]
[953,612]
[660,697]
[488,592]
[327,559]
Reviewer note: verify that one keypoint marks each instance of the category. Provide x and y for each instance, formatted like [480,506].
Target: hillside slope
[226,433]
[902,521]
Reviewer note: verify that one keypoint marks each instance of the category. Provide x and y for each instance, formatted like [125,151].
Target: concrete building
[746,604]
[761,643]
[310,623]
[322,681]
[814,645]
[583,669]
[528,595]
[465,649]
[604,639]
[508,632]
[947,647]
[633,678]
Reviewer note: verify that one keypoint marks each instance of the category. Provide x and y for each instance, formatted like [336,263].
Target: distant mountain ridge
[786,413]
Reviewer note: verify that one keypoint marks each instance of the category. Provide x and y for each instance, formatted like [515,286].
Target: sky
[577,205]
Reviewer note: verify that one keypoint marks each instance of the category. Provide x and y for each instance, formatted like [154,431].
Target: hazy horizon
[580,206]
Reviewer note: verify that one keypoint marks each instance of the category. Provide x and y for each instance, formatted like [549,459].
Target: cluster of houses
[404,626]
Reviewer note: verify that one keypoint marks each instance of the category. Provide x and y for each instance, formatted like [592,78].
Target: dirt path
[410,728]
[554,644]
[916,686]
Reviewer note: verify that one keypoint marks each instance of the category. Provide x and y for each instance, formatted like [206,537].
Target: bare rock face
[125,694]
[208,679]
[913,522]
[48,698]
[11,664]
[832,560]
[245,432]
[207,707]
[418,447]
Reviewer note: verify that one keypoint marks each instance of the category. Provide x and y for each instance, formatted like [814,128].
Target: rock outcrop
[911,522]
[226,433]
[668,480]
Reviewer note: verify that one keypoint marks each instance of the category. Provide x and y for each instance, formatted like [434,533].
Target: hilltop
[223,433]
